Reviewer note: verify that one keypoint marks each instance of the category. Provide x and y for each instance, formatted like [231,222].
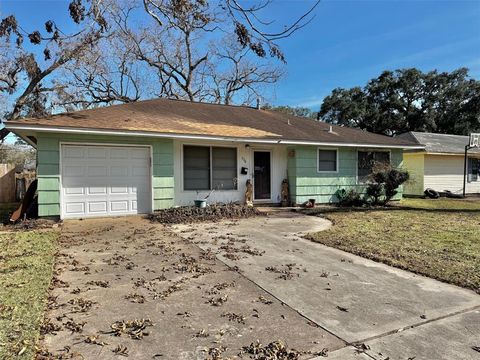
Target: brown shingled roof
[193,118]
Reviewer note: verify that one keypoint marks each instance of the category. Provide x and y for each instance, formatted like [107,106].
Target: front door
[261,175]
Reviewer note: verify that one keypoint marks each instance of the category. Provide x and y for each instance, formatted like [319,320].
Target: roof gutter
[71,130]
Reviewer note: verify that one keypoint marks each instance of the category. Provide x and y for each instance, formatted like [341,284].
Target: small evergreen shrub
[384,182]
[349,198]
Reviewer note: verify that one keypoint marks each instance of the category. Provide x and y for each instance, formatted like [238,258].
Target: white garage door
[105,180]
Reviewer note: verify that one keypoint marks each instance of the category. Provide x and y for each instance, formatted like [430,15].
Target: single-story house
[440,166]
[154,154]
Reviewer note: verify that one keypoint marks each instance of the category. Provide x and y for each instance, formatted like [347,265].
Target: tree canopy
[408,100]
[292,110]
[123,51]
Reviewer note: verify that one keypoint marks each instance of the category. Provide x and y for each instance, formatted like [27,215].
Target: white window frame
[182,169]
[468,170]
[336,161]
[368,150]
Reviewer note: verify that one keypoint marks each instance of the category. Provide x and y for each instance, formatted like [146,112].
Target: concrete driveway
[127,287]
[394,314]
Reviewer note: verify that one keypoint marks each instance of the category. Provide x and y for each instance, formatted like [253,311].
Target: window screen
[367,160]
[196,168]
[224,168]
[473,169]
[327,160]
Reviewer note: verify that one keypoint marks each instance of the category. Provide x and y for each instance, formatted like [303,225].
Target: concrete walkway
[395,313]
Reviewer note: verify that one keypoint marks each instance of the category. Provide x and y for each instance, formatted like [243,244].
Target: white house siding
[445,172]
[244,159]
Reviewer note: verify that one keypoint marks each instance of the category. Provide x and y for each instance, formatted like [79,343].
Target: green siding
[307,183]
[48,152]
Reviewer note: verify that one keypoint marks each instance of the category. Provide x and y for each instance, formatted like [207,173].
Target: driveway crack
[429,321]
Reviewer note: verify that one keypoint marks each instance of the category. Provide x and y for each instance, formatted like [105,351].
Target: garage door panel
[97,207]
[73,152]
[73,170]
[74,191]
[105,180]
[140,171]
[119,206]
[118,171]
[137,154]
[96,171]
[97,152]
[75,208]
[119,190]
[97,190]
[119,153]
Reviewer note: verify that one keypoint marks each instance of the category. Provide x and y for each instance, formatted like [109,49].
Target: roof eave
[73,130]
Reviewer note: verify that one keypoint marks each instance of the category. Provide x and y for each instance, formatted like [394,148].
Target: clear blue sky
[348,42]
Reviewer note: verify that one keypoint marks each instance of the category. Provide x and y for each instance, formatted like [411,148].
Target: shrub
[349,198]
[374,191]
[384,182]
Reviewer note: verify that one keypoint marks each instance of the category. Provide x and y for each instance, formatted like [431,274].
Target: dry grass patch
[26,264]
[438,238]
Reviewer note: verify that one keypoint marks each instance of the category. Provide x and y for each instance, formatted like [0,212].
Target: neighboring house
[441,165]
[154,154]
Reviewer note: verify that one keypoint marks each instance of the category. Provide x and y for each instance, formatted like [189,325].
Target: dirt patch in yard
[127,287]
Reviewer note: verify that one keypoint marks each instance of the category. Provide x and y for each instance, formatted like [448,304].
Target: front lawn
[26,265]
[436,238]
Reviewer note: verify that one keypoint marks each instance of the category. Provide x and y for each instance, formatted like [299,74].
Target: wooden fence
[7,183]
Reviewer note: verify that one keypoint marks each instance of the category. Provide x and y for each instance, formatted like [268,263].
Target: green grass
[436,238]
[26,265]
[442,204]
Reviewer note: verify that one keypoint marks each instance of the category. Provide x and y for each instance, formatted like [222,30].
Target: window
[327,160]
[473,169]
[196,168]
[224,169]
[206,168]
[367,160]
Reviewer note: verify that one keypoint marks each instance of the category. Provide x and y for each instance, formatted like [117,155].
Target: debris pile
[218,301]
[231,252]
[133,328]
[121,350]
[135,298]
[264,300]
[220,286]
[234,317]
[94,340]
[73,326]
[48,327]
[81,304]
[100,283]
[285,271]
[190,214]
[276,350]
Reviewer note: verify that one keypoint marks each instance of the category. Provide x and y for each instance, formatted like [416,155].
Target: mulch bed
[190,214]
